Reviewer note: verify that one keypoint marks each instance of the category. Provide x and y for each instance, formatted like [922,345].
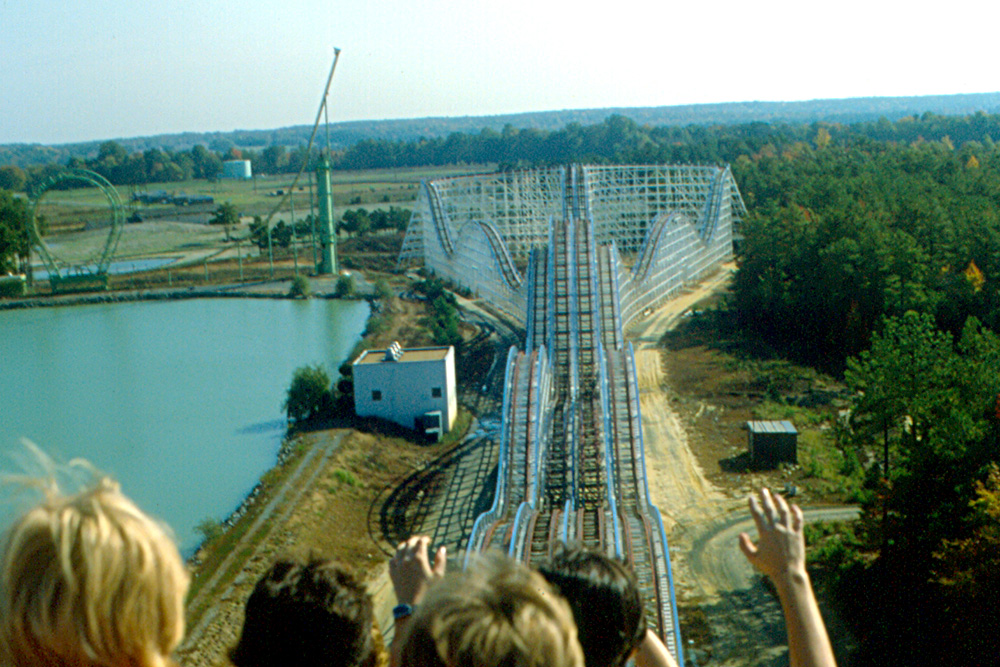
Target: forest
[873,254]
[870,251]
[344,134]
[617,139]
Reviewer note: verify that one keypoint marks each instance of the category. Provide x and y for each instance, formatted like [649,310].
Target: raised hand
[780,551]
[411,570]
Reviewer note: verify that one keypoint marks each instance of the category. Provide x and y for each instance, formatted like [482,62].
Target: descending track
[572,462]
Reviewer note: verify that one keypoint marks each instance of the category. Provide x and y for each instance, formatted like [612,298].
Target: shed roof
[783,426]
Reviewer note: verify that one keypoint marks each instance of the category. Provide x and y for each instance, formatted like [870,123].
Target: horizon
[81,73]
[499,115]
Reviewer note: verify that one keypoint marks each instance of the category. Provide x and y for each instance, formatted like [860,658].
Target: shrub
[345,477]
[210,529]
[299,287]
[382,290]
[309,394]
[13,286]
[345,287]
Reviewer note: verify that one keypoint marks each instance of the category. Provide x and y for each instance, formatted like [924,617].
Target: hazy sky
[75,70]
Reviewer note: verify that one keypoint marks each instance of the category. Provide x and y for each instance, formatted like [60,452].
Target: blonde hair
[88,579]
[497,612]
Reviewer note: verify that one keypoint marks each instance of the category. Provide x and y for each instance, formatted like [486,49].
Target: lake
[179,400]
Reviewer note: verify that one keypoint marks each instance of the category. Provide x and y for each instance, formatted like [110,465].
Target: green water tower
[327,236]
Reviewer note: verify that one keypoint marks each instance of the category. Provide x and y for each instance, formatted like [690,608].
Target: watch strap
[402,610]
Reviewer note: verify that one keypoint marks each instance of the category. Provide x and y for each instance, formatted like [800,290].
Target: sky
[88,70]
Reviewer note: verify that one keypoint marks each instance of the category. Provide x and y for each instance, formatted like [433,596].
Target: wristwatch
[402,611]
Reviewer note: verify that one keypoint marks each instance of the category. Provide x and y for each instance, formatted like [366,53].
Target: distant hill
[346,134]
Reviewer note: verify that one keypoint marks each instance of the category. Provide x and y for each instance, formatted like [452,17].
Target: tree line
[840,236]
[617,139]
[341,135]
[154,165]
[877,259]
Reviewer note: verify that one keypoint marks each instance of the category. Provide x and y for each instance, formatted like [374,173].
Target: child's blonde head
[496,613]
[89,580]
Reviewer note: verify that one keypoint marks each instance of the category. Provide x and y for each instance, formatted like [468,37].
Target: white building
[414,388]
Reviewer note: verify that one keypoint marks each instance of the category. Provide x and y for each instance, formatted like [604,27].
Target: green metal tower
[327,236]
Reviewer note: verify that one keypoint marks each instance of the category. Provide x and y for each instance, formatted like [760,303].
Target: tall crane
[327,262]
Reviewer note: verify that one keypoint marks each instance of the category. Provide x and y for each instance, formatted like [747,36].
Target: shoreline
[249,502]
[323,288]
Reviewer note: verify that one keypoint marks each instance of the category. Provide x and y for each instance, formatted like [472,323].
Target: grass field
[77,220]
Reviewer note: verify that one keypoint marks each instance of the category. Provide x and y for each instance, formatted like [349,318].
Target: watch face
[401,611]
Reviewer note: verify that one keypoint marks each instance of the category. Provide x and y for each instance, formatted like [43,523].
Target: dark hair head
[313,615]
[606,602]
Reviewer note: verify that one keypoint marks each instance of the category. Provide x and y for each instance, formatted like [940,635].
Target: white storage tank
[236,169]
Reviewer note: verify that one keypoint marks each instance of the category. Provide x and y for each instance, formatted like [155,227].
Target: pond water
[179,400]
[39,272]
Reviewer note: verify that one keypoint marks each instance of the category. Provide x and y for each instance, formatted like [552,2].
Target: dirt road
[745,626]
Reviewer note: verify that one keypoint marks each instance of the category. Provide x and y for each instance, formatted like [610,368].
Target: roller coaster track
[610,307]
[440,223]
[572,459]
[537,320]
[652,242]
[504,261]
[713,206]
[708,223]
[507,268]
[524,442]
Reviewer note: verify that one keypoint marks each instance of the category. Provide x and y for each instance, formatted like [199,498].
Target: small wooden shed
[771,443]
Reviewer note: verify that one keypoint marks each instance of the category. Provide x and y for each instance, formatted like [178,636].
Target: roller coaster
[552,248]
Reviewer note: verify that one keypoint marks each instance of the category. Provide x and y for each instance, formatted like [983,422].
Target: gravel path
[208,634]
[703,523]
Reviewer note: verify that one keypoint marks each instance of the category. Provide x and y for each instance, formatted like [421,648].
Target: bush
[345,287]
[210,529]
[309,394]
[382,290]
[345,477]
[13,286]
[300,287]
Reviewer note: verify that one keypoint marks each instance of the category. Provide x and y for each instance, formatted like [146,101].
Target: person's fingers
[440,561]
[413,548]
[756,513]
[747,547]
[768,503]
[797,518]
[418,550]
[782,506]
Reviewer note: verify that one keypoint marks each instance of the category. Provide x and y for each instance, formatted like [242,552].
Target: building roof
[412,354]
[771,427]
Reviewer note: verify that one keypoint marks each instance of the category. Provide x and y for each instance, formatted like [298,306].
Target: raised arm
[412,573]
[780,553]
[652,653]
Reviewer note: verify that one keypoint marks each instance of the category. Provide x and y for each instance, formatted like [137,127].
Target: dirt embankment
[728,614]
